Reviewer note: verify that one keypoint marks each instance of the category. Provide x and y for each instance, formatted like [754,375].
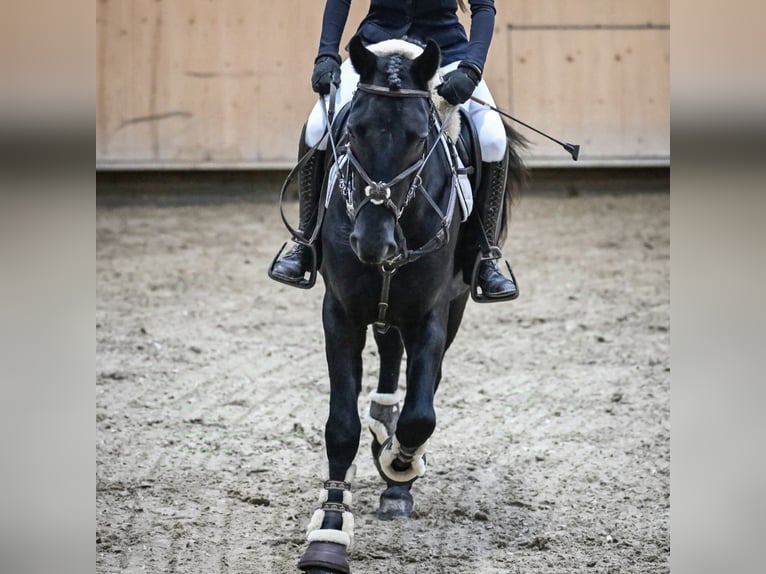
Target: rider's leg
[294,264]
[489,206]
[491,192]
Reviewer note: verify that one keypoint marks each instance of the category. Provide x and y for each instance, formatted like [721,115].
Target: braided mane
[393,68]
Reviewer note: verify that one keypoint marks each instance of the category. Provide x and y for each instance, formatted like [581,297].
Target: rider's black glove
[326,72]
[459,84]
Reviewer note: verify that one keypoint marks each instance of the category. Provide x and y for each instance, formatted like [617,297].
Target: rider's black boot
[293,265]
[489,199]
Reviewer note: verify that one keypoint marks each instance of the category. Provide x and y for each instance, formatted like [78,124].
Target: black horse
[394,254]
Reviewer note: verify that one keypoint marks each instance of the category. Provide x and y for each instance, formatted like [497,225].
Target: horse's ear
[362,59]
[424,67]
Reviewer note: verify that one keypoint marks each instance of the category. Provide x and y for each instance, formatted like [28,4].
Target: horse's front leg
[401,460]
[383,411]
[382,416]
[330,531]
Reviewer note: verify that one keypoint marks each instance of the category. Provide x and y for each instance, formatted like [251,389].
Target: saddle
[468,149]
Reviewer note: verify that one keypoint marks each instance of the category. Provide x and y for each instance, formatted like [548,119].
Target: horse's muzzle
[373,241]
[370,253]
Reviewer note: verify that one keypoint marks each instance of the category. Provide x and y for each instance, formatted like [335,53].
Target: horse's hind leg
[456,310]
[331,528]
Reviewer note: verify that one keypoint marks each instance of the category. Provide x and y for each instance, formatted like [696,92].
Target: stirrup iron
[304,282]
[494,254]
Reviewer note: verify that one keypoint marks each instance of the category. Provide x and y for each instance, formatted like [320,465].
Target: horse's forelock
[395,50]
[393,69]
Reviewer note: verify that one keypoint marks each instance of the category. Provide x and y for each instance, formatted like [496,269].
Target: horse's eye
[355,131]
[414,136]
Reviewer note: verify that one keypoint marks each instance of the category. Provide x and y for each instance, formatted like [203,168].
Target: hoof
[325,558]
[395,502]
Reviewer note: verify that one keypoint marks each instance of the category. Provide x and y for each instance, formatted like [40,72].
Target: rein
[299,236]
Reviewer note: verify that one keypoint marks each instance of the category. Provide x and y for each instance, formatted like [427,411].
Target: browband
[401,93]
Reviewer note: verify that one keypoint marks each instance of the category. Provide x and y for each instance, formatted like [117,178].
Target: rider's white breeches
[488,123]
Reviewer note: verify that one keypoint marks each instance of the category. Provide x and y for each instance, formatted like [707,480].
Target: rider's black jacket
[423,19]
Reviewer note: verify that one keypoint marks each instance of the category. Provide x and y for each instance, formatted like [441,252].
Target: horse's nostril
[390,250]
[369,251]
[354,240]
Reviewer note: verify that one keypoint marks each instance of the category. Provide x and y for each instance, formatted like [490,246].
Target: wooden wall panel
[606,89]
[583,12]
[225,83]
[198,82]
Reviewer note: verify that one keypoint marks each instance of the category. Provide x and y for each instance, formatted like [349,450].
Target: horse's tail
[517,176]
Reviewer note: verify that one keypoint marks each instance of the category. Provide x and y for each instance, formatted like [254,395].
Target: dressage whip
[573,149]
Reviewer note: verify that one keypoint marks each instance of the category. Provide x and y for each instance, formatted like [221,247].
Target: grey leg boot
[494,285]
[292,267]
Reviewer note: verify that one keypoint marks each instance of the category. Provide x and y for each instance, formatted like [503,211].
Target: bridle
[379,192]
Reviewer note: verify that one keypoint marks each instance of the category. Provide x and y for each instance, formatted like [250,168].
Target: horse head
[388,128]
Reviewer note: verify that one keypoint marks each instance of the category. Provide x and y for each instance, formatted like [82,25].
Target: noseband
[379,193]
